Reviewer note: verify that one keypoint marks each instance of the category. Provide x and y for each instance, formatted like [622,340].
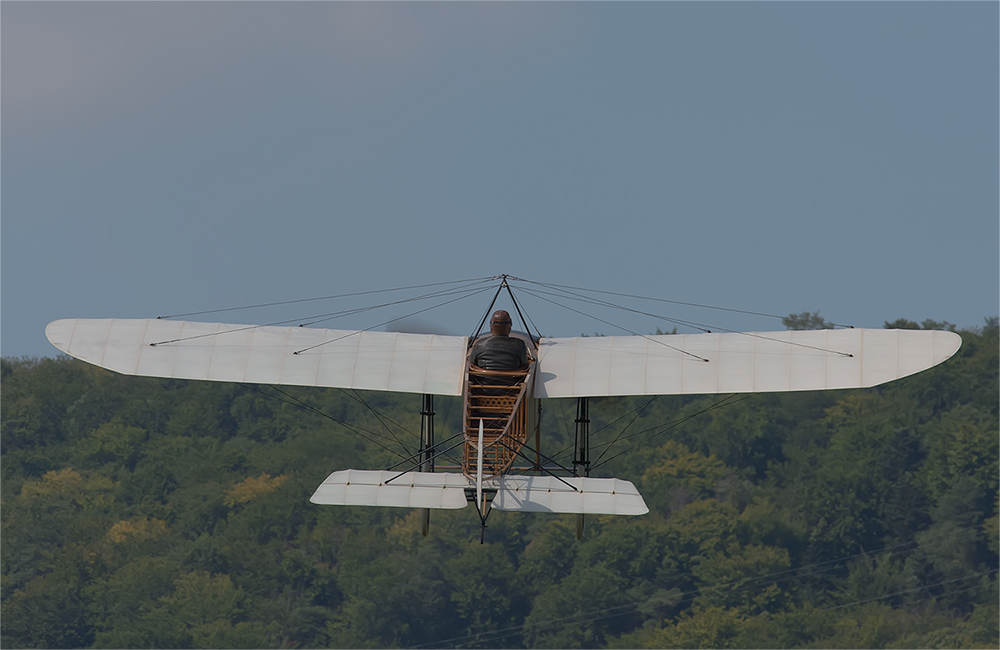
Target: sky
[168,158]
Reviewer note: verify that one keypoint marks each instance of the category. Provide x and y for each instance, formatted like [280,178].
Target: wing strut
[581,458]
[426,452]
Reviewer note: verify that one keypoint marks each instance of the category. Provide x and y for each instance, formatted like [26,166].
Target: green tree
[745,579]
[806,321]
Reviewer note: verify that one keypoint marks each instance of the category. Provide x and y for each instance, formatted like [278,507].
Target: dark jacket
[499,353]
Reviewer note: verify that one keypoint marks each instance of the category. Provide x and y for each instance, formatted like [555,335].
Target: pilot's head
[500,323]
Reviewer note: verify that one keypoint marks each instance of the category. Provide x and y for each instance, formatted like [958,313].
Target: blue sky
[161,158]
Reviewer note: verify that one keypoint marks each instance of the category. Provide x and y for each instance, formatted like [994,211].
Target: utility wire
[617,610]
[907,591]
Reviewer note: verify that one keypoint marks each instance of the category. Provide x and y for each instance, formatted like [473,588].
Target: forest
[141,512]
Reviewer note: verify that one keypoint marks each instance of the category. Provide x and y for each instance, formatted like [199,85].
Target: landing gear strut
[581,456]
[426,452]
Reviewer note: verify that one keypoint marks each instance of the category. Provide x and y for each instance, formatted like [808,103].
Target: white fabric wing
[389,361]
[752,362]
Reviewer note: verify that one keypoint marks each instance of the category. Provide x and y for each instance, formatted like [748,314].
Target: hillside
[141,512]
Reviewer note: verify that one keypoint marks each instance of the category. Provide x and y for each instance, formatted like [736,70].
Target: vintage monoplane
[501,423]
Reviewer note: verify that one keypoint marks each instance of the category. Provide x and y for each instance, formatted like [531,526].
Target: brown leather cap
[500,317]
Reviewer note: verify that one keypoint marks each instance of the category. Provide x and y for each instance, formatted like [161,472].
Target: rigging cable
[676,423]
[391,320]
[517,307]
[294,401]
[319,318]
[667,426]
[675,302]
[357,398]
[634,418]
[378,417]
[648,338]
[566,417]
[699,326]
[342,295]
[605,303]
[333,315]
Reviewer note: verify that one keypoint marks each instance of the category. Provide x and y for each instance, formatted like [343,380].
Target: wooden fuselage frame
[503,400]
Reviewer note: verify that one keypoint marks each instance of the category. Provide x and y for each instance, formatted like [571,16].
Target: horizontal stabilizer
[596,496]
[592,496]
[358,487]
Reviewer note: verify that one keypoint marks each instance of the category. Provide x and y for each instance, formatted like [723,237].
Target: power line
[618,610]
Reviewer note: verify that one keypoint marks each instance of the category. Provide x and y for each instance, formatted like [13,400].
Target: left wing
[751,362]
[297,356]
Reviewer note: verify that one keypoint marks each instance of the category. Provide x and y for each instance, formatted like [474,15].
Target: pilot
[500,350]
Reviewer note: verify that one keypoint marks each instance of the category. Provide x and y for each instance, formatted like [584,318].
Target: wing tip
[60,333]
[946,344]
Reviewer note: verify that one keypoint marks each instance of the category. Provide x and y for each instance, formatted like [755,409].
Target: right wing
[750,362]
[389,361]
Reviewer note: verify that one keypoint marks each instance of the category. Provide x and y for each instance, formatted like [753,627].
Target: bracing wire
[391,320]
[605,303]
[342,295]
[378,416]
[664,300]
[469,289]
[649,338]
[294,401]
[698,326]
[318,318]
[353,394]
[360,431]
[565,417]
[638,412]
[726,401]
[657,430]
